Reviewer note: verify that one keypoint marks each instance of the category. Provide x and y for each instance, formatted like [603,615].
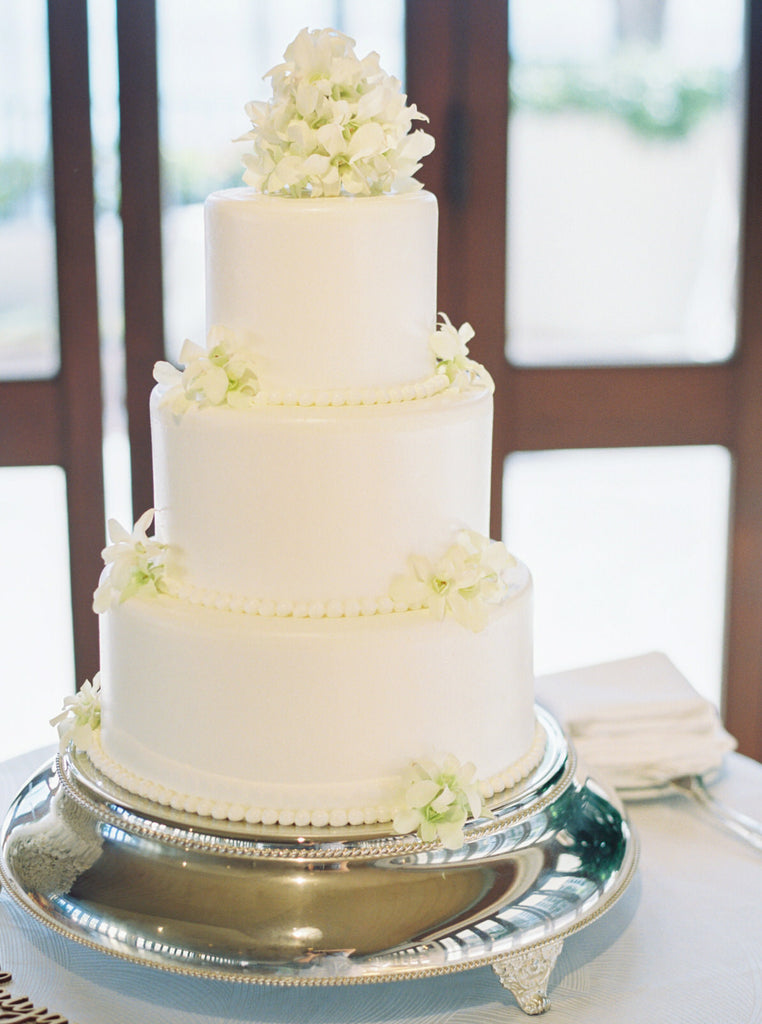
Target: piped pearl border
[478,377]
[356,396]
[268,608]
[333,608]
[300,817]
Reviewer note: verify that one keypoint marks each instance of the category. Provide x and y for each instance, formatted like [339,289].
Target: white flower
[450,348]
[437,800]
[464,582]
[81,715]
[335,124]
[221,374]
[133,561]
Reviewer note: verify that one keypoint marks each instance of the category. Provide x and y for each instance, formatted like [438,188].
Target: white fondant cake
[331,295]
[302,505]
[316,715]
[320,606]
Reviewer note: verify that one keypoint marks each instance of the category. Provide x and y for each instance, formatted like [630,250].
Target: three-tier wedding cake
[319,632]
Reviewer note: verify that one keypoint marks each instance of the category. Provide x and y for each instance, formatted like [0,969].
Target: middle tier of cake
[295,505]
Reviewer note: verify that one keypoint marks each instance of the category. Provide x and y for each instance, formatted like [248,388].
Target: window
[602,367]
[28,314]
[624,152]
[596,386]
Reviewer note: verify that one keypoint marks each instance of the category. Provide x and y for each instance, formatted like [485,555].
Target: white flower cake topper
[437,800]
[465,581]
[221,374]
[81,715]
[335,124]
[134,562]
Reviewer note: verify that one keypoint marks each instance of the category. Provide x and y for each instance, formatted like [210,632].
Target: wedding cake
[319,632]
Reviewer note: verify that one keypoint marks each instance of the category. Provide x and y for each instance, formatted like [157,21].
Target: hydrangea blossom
[450,348]
[437,801]
[81,715]
[221,374]
[335,124]
[464,582]
[134,562]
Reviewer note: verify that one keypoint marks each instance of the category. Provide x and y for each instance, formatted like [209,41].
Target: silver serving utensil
[739,824]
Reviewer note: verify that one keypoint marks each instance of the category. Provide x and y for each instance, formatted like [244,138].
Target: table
[684,943]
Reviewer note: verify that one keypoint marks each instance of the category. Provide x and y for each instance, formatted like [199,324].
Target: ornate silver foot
[525,974]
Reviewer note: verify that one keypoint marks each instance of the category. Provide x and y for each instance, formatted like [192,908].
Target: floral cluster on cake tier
[334,124]
[133,562]
[225,374]
[221,374]
[472,575]
[464,582]
[437,800]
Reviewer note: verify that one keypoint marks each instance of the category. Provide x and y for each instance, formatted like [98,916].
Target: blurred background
[599,207]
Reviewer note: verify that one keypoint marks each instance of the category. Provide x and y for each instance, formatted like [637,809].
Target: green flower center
[440,584]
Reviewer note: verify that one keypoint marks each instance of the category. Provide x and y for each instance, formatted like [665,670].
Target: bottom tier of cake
[309,721]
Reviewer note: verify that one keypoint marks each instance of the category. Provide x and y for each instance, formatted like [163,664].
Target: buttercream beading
[471,575]
[225,373]
[422,389]
[336,608]
[482,790]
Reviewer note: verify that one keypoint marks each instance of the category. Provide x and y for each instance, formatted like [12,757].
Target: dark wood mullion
[79,382]
[743,702]
[430,49]
[603,407]
[141,223]
[457,75]
[30,425]
[480,228]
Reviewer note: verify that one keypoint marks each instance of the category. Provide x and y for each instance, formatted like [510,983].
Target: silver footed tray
[278,905]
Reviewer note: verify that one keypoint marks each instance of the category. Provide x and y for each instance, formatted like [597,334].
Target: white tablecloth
[683,944]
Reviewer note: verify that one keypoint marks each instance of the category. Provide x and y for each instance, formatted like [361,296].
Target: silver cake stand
[279,906]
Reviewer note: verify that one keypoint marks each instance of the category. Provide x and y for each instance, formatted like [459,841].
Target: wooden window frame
[58,421]
[141,220]
[458,74]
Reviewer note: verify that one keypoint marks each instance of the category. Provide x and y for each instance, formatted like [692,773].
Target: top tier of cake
[328,293]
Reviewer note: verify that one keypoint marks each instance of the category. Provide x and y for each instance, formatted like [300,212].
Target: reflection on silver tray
[278,906]
[658,789]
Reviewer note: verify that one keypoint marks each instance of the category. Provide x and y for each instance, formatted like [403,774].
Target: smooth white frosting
[274,678]
[302,713]
[317,817]
[331,292]
[317,504]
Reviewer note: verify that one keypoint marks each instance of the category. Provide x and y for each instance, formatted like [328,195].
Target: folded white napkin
[638,721]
